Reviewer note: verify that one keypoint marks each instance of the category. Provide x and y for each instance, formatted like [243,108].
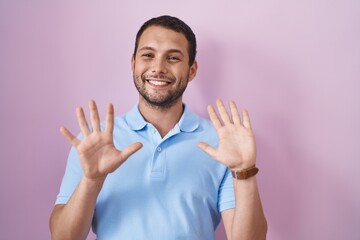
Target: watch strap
[245,173]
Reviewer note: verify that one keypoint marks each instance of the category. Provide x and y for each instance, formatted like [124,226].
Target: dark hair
[174,24]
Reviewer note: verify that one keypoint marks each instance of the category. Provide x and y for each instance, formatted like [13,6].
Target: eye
[147,55]
[173,58]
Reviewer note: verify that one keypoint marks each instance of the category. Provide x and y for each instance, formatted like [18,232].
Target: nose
[159,66]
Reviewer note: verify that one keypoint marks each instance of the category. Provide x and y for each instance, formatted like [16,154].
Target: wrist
[94,182]
[243,166]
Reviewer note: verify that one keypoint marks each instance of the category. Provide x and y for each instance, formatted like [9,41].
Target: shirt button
[158,149]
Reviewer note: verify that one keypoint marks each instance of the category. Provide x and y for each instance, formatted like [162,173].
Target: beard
[163,101]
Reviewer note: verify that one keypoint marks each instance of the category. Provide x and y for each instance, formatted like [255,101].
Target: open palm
[97,153]
[237,148]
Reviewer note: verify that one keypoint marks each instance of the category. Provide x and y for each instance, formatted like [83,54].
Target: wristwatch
[245,173]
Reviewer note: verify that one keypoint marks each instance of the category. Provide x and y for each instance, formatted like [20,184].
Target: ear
[193,71]
[133,63]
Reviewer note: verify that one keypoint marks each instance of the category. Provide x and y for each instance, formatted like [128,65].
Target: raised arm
[98,157]
[237,150]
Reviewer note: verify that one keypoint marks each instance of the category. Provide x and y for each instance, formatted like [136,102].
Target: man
[153,173]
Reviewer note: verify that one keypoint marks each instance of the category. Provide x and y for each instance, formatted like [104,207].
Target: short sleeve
[71,179]
[226,193]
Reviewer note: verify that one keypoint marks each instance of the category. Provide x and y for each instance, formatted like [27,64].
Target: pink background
[294,64]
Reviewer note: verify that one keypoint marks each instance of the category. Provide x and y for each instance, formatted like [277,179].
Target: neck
[163,119]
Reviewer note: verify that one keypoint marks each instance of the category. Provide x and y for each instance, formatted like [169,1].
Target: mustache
[158,76]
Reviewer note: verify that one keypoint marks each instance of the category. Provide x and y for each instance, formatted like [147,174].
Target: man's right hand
[97,153]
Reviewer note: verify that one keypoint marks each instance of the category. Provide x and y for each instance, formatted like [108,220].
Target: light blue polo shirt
[169,189]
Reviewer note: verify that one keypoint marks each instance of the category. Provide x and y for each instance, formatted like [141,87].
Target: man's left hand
[237,148]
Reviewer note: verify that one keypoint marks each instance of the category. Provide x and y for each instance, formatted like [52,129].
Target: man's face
[161,68]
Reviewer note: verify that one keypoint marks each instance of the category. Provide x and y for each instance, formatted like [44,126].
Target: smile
[158,82]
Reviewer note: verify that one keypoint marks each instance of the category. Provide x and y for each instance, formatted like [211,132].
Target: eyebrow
[172,50]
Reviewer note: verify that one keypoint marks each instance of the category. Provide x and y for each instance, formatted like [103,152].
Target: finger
[208,149]
[214,117]
[94,116]
[246,119]
[223,113]
[109,121]
[128,151]
[235,113]
[69,136]
[84,126]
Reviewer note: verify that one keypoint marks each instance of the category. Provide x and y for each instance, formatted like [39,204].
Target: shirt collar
[134,119]
[188,122]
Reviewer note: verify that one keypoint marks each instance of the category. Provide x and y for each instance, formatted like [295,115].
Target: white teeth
[158,83]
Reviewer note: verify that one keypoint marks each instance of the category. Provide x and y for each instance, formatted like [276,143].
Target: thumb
[122,156]
[207,148]
[129,150]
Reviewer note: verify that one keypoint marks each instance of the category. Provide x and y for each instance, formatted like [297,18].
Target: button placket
[158,161]
[158,167]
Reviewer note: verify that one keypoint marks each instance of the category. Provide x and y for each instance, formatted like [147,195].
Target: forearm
[249,222]
[73,220]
